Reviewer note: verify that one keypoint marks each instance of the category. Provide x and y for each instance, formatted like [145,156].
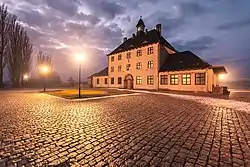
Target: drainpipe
[207,80]
[158,65]
[108,73]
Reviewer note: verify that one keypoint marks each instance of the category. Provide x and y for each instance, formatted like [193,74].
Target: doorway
[128,82]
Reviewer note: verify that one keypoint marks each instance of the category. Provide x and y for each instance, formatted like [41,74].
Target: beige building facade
[200,80]
[148,61]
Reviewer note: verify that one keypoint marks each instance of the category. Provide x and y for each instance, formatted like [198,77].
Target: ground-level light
[222,76]
[25,77]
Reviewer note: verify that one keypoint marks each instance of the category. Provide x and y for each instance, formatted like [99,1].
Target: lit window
[138,66]
[150,64]
[138,80]
[150,50]
[106,80]
[150,80]
[174,80]
[112,69]
[128,55]
[138,53]
[119,80]
[186,79]
[119,68]
[200,79]
[98,81]
[128,67]
[112,81]
[112,58]
[119,57]
[164,79]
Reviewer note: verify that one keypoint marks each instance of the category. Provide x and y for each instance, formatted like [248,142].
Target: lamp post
[79,82]
[44,70]
[79,59]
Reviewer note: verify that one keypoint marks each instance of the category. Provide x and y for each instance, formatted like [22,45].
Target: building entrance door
[129,82]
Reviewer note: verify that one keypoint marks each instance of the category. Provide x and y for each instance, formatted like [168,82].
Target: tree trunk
[1,76]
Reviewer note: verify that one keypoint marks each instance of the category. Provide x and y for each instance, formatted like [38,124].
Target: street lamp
[26,78]
[222,76]
[79,59]
[44,71]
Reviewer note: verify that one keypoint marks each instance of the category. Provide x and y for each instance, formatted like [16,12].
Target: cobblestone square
[137,130]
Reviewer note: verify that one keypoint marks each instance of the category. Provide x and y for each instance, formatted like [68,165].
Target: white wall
[101,82]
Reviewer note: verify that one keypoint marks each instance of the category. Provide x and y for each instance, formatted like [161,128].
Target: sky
[216,30]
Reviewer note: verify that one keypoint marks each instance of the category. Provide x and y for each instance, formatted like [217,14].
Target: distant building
[148,61]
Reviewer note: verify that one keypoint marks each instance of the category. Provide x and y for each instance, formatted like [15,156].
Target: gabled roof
[103,72]
[142,39]
[183,61]
[219,70]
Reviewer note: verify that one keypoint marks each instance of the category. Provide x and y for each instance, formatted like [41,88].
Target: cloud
[192,9]
[64,6]
[34,17]
[88,17]
[196,45]
[180,15]
[169,24]
[105,9]
[235,25]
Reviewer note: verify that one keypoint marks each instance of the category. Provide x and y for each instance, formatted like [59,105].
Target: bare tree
[27,49]
[15,47]
[4,31]
[14,59]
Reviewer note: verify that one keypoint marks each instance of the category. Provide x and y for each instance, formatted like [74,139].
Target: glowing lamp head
[222,76]
[26,77]
[79,58]
[44,69]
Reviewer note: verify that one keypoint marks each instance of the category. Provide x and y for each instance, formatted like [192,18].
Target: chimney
[133,35]
[125,39]
[158,28]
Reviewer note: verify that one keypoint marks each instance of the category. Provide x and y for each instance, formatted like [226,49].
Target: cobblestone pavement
[139,130]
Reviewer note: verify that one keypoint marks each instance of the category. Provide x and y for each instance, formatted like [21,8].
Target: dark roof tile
[140,40]
[103,72]
[183,61]
[219,70]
